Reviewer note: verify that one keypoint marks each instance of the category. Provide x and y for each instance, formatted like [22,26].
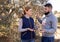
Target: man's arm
[39,20]
[53,28]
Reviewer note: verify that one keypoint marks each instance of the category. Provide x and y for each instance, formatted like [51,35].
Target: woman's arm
[20,29]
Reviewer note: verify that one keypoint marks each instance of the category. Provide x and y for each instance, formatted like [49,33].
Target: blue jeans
[30,40]
[47,39]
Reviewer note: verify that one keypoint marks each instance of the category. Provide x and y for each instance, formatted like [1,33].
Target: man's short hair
[48,5]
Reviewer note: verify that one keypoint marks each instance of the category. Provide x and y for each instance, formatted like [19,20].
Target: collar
[27,16]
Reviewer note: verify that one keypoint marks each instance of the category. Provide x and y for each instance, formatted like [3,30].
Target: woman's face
[29,12]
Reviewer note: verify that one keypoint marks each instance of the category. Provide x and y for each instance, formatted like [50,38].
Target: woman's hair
[26,9]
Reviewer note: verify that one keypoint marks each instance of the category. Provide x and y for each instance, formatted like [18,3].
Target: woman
[26,26]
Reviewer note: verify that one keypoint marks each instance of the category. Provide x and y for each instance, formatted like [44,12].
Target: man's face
[46,9]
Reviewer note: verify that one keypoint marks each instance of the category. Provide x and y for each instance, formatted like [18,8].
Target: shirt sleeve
[20,29]
[39,20]
[54,26]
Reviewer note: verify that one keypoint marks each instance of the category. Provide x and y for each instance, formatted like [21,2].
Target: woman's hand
[30,29]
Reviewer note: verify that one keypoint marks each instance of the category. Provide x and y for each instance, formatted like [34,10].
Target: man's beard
[46,13]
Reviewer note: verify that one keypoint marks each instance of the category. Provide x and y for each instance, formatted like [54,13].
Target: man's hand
[42,31]
[37,15]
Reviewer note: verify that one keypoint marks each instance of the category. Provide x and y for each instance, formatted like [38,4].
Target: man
[49,24]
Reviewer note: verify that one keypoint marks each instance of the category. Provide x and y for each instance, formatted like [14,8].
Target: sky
[56,4]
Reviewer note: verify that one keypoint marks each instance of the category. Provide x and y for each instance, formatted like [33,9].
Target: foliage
[10,15]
